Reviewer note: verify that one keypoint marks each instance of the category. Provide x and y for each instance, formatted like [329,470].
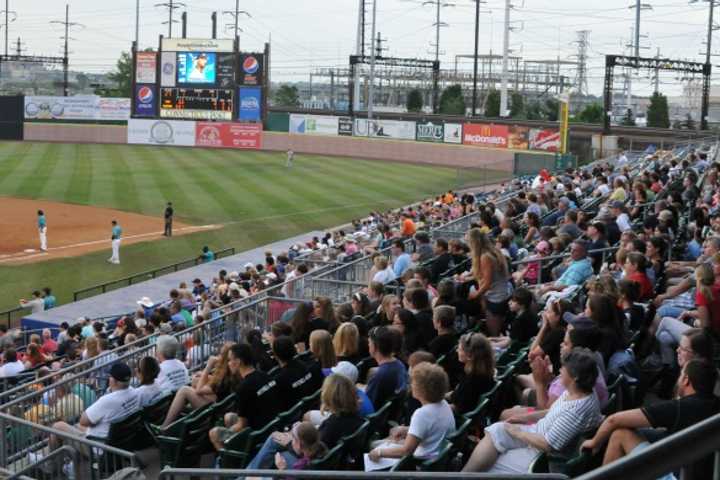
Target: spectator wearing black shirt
[444,323]
[406,323]
[523,323]
[417,301]
[301,323]
[293,378]
[696,403]
[256,397]
[478,358]
[597,232]
[443,260]
[551,334]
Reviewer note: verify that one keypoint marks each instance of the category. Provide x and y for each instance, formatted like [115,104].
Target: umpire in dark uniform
[168,219]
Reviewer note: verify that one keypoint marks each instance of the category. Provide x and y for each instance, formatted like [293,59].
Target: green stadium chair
[155,414]
[378,420]
[331,460]
[222,407]
[185,440]
[312,402]
[439,463]
[354,446]
[239,449]
[294,414]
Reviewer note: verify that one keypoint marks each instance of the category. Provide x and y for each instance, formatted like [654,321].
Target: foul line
[22,256]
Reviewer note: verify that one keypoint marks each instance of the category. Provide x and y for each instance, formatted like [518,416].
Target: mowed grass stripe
[12,156]
[80,187]
[58,185]
[124,190]
[251,192]
[25,170]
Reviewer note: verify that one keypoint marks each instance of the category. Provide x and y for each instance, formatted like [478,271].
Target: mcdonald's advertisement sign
[485,135]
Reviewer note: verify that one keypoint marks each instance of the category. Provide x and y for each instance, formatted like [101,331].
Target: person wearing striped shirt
[510,448]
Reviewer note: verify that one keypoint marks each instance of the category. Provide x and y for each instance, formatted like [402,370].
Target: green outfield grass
[252,192]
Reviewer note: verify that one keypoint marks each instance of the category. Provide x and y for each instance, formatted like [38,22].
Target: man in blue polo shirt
[579,270]
[402,260]
[115,238]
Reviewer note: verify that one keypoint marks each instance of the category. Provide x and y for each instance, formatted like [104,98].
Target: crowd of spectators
[588,280]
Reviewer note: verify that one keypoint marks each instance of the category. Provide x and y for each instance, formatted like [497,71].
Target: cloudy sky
[308,34]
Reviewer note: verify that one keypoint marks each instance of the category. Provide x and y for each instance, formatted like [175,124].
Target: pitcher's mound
[72,230]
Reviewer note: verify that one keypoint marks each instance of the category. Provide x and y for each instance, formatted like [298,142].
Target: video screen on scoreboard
[196,104]
[196,68]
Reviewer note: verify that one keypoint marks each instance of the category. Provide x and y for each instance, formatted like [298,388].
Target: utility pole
[657,73]
[438,5]
[137,24]
[506,49]
[18,47]
[360,52]
[475,58]
[371,92]
[66,52]
[171,5]
[10,16]
[378,45]
[236,19]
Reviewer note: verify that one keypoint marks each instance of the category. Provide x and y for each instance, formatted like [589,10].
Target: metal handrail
[672,453]
[9,314]
[173,473]
[65,450]
[142,276]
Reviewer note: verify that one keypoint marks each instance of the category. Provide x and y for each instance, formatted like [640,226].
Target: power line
[236,18]
[171,6]
[66,39]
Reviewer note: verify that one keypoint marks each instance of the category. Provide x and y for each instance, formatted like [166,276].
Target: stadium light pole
[506,51]
[371,91]
[137,23]
[475,57]
[8,19]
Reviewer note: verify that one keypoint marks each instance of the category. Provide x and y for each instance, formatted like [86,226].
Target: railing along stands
[146,275]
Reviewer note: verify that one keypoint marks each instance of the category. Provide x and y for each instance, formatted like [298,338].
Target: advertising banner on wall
[518,137]
[90,107]
[313,125]
[250,104]
[429,132]
[485,135]
[225,70]
[145,67]
[113,109]
[251,69]
[167,69]
[228,135]
[197,45]
[145,104]
[453,133]
[547,139]
[384,129]
[345,126]
[161,132]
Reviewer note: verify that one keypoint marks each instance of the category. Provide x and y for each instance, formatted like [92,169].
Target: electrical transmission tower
[438,4]
[10,16]
[582,47]
[171,6]
[19,47]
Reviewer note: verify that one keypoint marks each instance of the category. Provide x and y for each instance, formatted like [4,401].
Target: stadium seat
[378,420]
[354,446]
[331,460]
[294,414]
[185,440]
[439,463]
[239,449]
[222,407]
[312,402]
[155,414]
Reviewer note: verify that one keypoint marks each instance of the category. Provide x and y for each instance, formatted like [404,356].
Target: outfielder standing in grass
[42,230]
[116,237]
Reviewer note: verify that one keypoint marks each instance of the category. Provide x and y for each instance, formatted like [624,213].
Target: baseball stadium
[412,266]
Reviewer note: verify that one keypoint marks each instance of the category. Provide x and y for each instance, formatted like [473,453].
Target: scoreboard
[196,103]
[199,79]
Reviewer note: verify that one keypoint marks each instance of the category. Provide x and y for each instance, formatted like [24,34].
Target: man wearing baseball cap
[120,402]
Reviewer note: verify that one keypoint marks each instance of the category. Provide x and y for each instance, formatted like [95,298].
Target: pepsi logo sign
[249,102]
[145,95]
[250,65]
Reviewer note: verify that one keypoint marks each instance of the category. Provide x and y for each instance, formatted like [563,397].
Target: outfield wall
[370,148]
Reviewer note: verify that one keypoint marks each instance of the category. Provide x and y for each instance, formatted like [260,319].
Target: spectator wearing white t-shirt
[621,217]
[149,391]
[120,402]
[429,425]
[385,274]
[173,373]
[12,365]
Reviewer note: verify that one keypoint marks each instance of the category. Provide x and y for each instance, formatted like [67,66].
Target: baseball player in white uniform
[42,230]
[115,240]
